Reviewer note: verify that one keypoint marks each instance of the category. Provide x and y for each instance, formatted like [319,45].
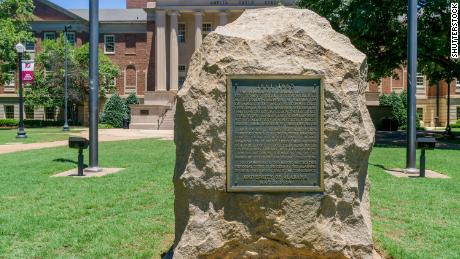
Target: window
[49,36]
[9,111]
[130,45]
[457,86]
[50,113]
[11,83]
[71,38]
[206,29]
[182,68]
[181,81]
[112,82]
[458,112]
[109,44]
[420,83]
[30,46]
[420,114]
[181,32]
[29,112]
[130,79]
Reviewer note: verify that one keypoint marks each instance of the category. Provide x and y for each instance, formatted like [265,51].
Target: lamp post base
[21,134]
[411,171]
[93,169]
[66,128]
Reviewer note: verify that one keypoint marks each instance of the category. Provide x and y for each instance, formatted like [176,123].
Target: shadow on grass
[63,160]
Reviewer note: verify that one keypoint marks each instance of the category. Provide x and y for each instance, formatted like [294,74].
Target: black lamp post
[20,49]
[66,95]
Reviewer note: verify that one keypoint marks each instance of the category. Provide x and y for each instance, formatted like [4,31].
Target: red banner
[28,71]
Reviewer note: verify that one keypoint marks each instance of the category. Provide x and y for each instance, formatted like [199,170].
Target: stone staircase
[167,121]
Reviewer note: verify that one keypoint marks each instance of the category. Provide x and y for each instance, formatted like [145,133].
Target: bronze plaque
[274,134]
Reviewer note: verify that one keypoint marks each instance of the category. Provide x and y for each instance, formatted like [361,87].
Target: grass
[416,218]
[128,215]
[36,135]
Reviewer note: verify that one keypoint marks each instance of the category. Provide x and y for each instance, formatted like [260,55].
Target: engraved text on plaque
[274,135]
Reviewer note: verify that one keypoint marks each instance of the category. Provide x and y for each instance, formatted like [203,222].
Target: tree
[379,29]
[398,104]
[131,99]
[48,88]
[15,16]
[115,111]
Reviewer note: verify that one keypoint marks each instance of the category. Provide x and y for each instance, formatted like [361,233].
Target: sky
[83,4]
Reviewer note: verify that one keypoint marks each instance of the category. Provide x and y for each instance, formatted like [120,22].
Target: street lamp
[66,95]
[20,49]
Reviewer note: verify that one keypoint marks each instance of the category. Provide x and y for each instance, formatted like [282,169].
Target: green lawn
[36,135]
[416,218]
[128,215]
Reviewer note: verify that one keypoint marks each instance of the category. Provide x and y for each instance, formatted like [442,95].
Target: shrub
[105,126]
[9,123]
[132,99]
[114,111]
[398,104]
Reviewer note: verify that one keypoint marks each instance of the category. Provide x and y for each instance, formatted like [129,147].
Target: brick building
[431,99]
[152,43]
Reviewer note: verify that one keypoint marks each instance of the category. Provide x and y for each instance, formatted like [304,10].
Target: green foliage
[379,29]
[15,16]
[30,123]
[398,104]
[115,111]
[48,88]
[132,99]
[105,126]
[8,123]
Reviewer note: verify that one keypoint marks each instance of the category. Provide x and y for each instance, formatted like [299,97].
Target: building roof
[114,15]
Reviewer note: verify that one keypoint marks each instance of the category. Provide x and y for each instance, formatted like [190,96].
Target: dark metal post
[411,89]
[93,85]
[422,163]
[66,95]
[448,128]
[21,133]
[80,162]
[437,104]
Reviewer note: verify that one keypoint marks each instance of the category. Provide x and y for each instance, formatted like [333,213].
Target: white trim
[105,44]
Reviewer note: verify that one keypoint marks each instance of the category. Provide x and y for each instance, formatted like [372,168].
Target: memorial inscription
[274,134]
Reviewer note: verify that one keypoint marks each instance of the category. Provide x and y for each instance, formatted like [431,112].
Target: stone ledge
[74,173]
[398,172]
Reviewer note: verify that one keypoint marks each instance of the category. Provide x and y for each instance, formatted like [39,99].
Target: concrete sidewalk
[104,136]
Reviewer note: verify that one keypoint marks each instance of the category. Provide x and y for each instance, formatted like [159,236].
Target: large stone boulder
[213,223]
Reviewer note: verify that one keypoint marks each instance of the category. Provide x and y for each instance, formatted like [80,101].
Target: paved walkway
[104,135]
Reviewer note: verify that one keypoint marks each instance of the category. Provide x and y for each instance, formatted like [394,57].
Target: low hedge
[7,123]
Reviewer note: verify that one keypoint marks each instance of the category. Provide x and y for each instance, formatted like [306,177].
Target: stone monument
[273,138]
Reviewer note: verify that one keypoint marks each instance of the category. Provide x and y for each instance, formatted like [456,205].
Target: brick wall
[45,13]
[136,3]
[132,52]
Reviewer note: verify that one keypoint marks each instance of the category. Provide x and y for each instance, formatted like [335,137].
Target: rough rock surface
[211,223]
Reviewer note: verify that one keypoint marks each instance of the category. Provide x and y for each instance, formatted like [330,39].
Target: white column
[198,27]
[223,18]
[160,52]
[173,54]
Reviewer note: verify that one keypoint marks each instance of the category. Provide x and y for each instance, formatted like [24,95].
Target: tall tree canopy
[48,88]
[15,16]
[379,29]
